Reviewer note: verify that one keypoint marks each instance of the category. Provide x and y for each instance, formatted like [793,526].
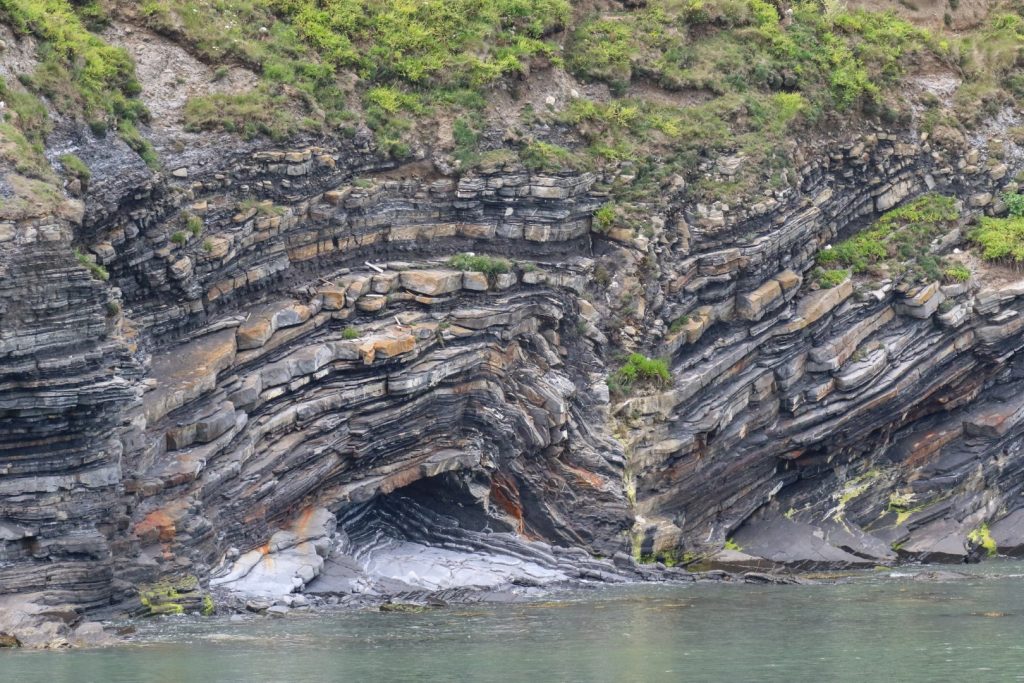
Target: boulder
[333,298]
[476,282]
[432,282]
[752,305]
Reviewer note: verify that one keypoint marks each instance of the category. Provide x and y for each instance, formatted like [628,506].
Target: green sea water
[867,627]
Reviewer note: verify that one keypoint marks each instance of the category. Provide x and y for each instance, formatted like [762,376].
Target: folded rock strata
[292,384]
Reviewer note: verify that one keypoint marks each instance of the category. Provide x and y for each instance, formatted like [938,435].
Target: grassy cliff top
[661,88]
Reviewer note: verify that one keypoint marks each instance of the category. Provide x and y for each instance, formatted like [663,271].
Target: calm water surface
[871,628]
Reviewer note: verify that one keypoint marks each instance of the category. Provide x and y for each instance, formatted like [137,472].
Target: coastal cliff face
[260,365]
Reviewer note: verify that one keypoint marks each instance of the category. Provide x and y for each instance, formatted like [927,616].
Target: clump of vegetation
[24,124]
[1002,239]
[263,207]
[982,537]
[131,135]
[89,262]
[194,224]
[957,273]
[639,370]
[1014,204]
[207,245]
[209,607]
[249,114]
[488,265]
[678,324]
[350,333]
[827,279]
[175,595]
[668,557]
[545,157]
[604,218]
[179,237]
[467,139]
[898,243]
[77,168]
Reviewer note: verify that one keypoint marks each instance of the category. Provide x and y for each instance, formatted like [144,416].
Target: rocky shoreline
[58,628]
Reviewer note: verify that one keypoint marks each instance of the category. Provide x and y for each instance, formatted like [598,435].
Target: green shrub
[982,537]
[350,333]
[488,265]
[393,100]
[131,135]
[679,323]
[1014,204]
[604,218]
[193,223]
[76,167]
[24,125]
[603,50]
[32,118]
[957,273]
[179,237]
[639,370]
[1000,239]
[827,279]
[207,246]
[89,262]
[466,141]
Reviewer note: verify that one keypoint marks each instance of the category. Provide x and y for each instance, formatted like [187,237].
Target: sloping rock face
[839,427]
[281,344]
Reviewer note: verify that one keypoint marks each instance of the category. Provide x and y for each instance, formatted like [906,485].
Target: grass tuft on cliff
[1001,239]
[639,370]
